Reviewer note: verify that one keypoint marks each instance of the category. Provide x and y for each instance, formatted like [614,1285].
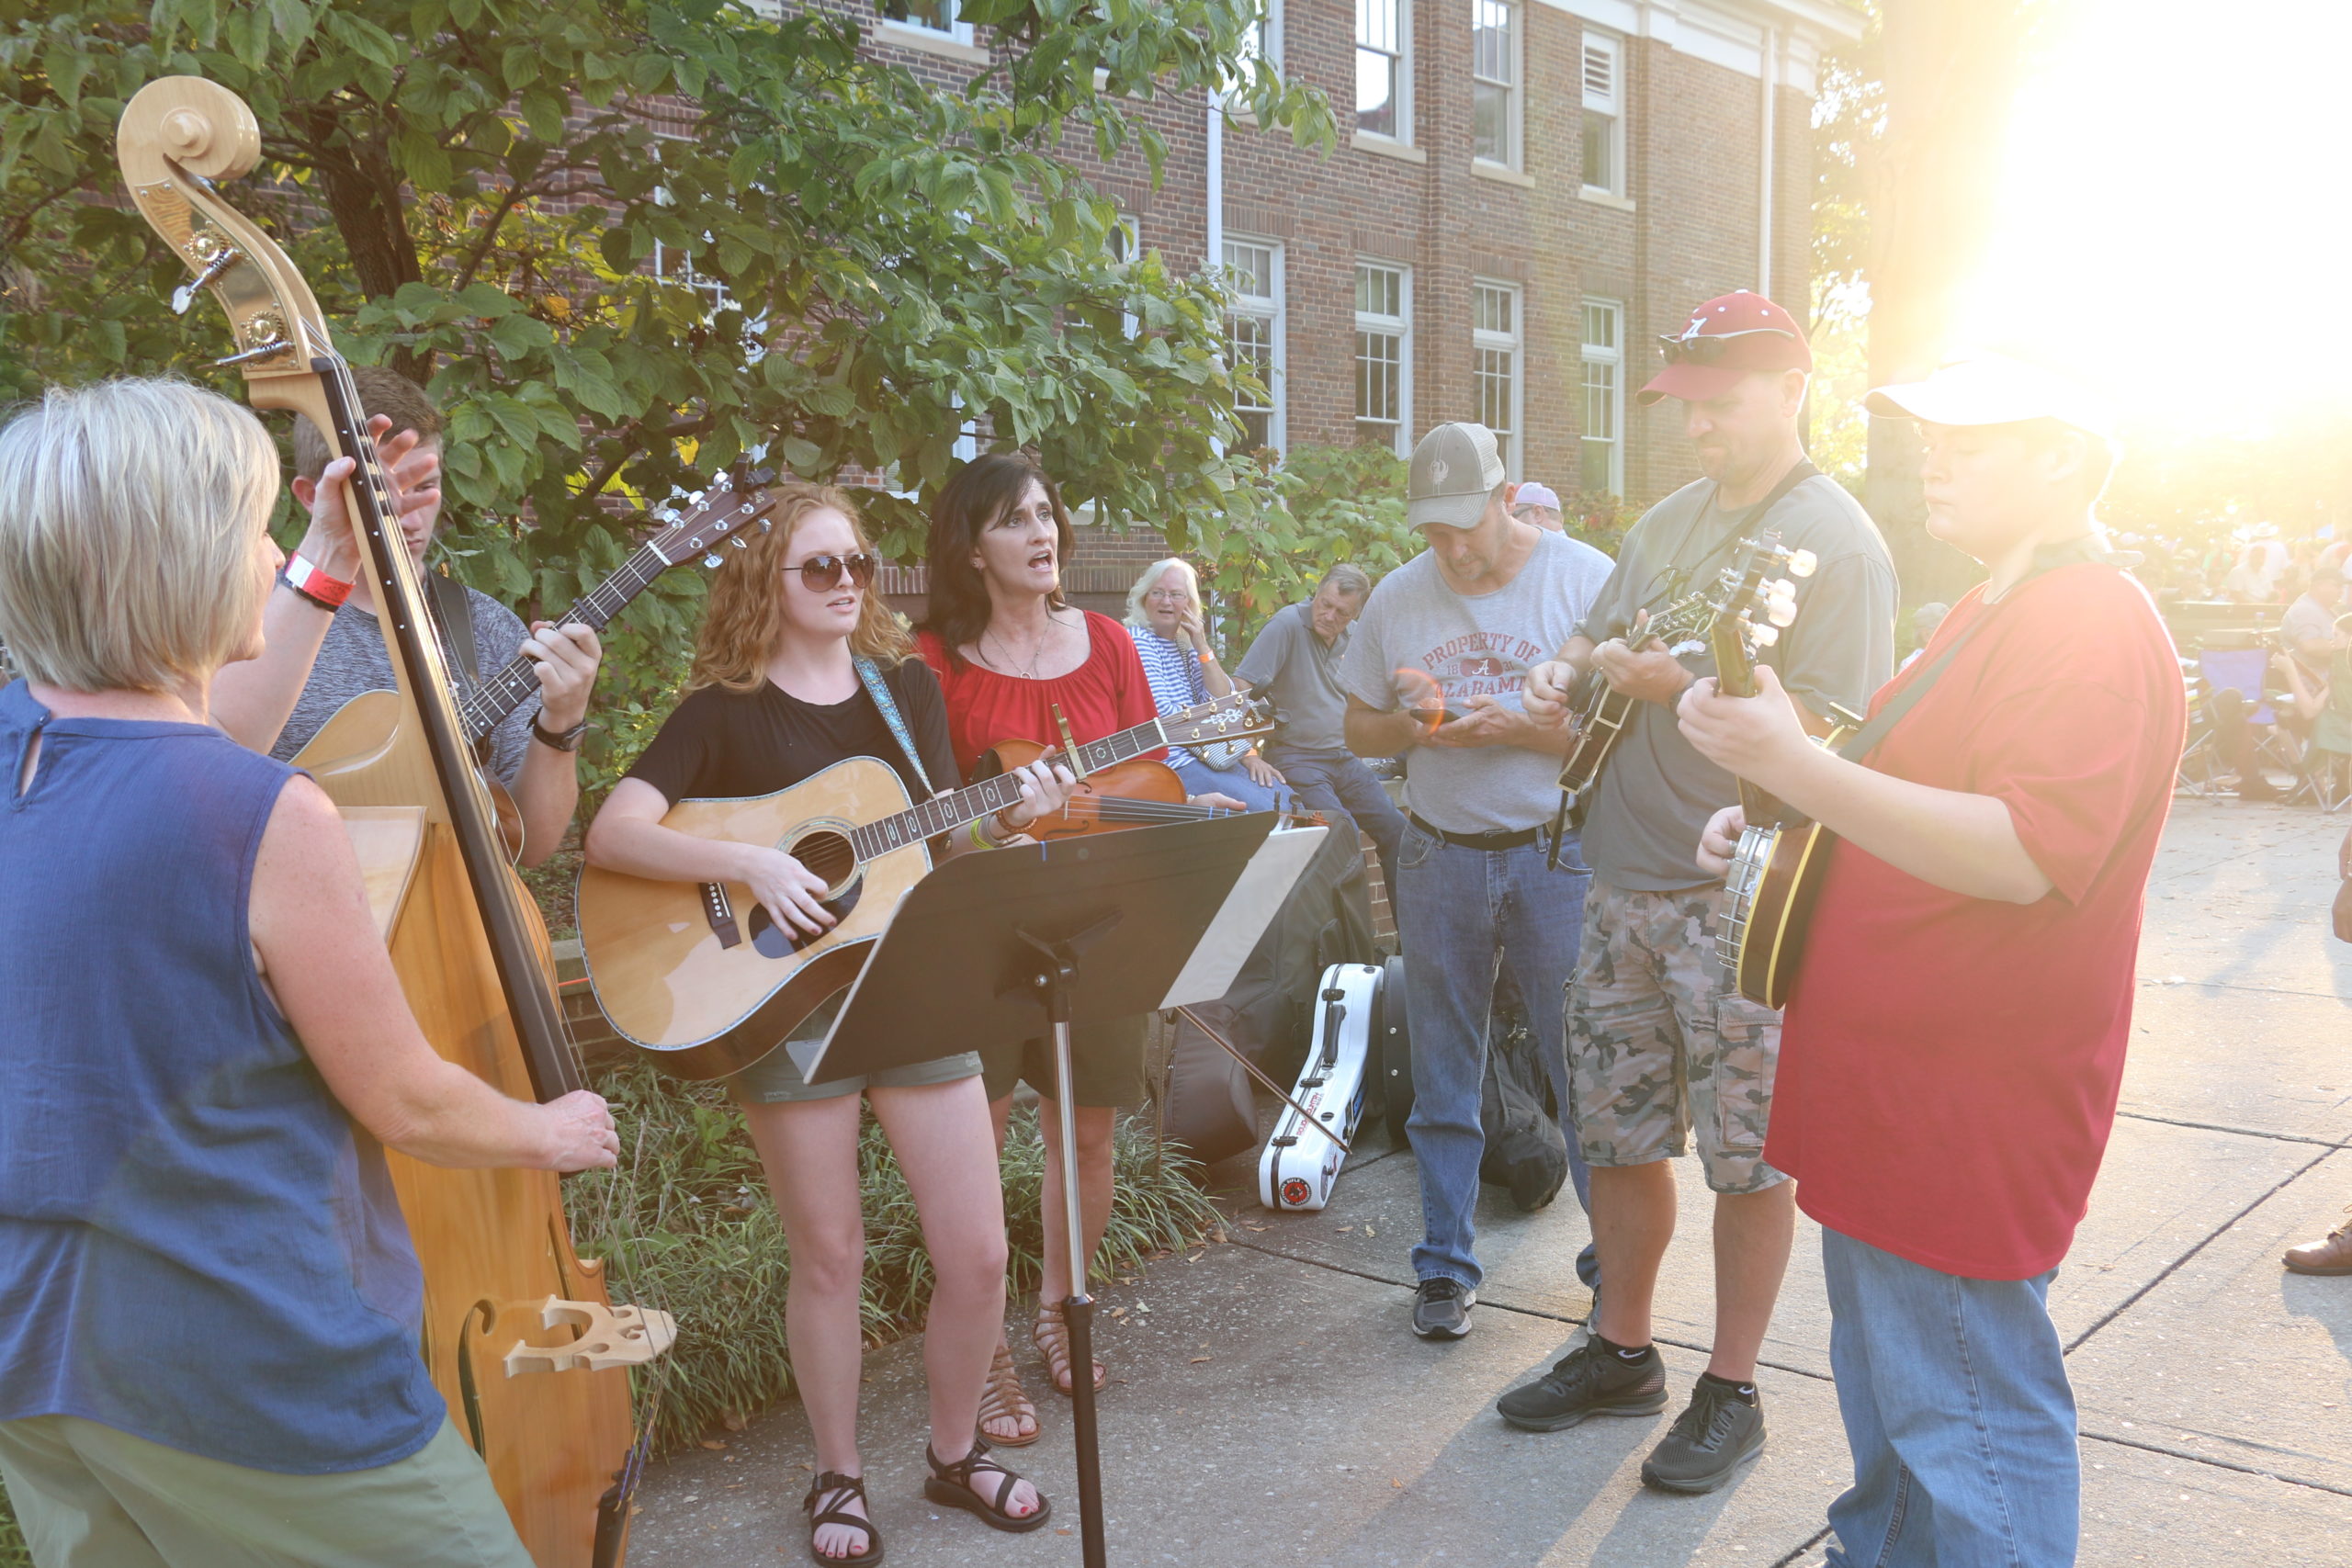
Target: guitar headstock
[1232,717]
[1748,589]
[724,512]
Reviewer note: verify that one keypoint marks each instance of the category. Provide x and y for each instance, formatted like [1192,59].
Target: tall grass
[690,1228]
[688,1225]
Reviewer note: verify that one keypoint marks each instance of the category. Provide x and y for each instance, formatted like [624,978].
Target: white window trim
[1614,106]
[1404,136]
[1269,309]
[1515,125]
[1515,341]
[1402,326]
[1128,225]
[1587,354]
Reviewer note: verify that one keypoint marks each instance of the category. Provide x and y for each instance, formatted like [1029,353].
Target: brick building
[1526,194]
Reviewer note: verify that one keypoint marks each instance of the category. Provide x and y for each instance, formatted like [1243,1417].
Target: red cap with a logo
[1725,338]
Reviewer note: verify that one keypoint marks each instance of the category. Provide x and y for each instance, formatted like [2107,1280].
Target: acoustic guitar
[1776,871]
[356,735]
[700,976]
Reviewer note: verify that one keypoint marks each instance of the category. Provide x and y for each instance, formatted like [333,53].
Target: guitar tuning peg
[713,560]
[1780,612]
[739,543]
[1802,562]
[1781,588]
[765,524]
[1763,637]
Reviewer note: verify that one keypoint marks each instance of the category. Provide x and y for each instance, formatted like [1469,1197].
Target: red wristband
[306,578]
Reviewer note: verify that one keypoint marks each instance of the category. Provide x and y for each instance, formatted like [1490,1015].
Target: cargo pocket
[1748,1040]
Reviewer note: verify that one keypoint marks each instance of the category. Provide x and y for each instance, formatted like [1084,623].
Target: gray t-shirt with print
[1289,665]
[1474,645]
[353,659]
[1656,793]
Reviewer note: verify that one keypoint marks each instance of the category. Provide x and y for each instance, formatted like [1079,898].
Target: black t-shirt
[724,745]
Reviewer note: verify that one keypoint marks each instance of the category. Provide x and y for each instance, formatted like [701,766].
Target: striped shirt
[1174,671]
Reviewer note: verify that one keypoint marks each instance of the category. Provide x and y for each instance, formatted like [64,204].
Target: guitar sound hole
[773,941]
[827,854]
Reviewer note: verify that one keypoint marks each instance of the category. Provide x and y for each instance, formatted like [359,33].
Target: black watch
[564,740]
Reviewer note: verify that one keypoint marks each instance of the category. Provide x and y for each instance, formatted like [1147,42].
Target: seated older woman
[1164,617]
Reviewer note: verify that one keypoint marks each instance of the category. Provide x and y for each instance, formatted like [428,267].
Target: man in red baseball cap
[1660,1044]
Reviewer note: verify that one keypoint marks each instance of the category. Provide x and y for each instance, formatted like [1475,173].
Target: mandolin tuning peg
[1802,562]
[1780,612]
[1763,637]
[1781,588]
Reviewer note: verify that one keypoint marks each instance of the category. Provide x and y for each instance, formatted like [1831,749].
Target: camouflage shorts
[1659,1041]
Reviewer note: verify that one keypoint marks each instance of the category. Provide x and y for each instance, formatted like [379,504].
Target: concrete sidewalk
[1269,1405]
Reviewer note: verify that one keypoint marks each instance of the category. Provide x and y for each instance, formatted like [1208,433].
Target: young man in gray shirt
[1659,1041]
[1434,672]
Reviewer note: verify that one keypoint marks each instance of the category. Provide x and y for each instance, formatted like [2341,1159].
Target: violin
[519,1331]
[1136,794]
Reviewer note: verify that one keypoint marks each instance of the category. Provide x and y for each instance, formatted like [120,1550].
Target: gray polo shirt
[1474,645]
[1289,665]
[2307,620]
[1656,793]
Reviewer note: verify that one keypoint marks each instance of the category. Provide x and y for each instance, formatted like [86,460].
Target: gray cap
[1455,468]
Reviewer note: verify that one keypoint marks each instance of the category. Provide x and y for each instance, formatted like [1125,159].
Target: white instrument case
[1301,1160]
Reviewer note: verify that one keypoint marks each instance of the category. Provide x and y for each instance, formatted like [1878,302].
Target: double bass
[520,1332]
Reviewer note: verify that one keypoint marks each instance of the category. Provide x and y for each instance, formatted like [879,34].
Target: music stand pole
[1056,978]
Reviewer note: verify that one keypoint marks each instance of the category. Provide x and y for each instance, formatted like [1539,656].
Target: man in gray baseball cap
[1434,672]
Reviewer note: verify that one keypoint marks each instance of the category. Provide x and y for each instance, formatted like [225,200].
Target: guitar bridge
[719,910]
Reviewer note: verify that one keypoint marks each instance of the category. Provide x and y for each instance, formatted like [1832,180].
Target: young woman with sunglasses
[775,696]
[1010,653]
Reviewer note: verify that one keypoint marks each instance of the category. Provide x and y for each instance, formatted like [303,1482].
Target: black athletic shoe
[1586,1381]
[1441,1308]
[1716,1434]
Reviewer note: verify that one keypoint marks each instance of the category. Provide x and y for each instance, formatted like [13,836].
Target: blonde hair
[1150,579]
[129,516]
[744,617]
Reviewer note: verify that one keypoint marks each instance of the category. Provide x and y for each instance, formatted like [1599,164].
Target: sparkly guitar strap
[871,674]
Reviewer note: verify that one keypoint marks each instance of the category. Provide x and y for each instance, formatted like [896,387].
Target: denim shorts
[775,1077]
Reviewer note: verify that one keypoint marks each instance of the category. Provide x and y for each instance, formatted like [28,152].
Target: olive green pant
[89,1496]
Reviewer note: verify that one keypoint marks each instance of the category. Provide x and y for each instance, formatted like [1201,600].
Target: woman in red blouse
[1008,650]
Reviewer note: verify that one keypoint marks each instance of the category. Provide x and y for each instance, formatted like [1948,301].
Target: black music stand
[1086,929]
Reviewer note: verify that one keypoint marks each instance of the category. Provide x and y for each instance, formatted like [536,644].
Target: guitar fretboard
[485,707]
[945,813]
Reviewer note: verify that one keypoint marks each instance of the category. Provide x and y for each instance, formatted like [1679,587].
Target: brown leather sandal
[956,1486]
[1052,1335]
[1003,1399]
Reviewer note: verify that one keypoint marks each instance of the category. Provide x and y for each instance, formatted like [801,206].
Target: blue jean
[1959,1413]
[1337,784]
[1201,779]
[1468,916]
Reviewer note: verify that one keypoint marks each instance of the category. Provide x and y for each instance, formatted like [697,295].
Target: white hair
[1150,580]
[129,514]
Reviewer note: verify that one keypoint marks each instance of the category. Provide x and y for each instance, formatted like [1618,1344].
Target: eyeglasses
[823,574]
[1705,349]
[1169,596]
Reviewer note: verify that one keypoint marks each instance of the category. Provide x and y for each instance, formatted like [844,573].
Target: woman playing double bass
[210,1350]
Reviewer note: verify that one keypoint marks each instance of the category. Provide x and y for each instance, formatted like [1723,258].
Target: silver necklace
[1029,673]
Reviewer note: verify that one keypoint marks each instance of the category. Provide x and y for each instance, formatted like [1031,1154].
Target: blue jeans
[1468,916]
[1959,1413]
[1201,779]
[1337,784]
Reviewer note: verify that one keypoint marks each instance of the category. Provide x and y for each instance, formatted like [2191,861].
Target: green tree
[787,250]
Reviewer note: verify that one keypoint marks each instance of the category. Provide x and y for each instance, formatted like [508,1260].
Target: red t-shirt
[1949,1066]
[1103,696]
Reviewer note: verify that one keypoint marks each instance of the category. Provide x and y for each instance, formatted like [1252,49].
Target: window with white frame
[1384,354]
[1604,114]
[929,15]
[1493,81]
[1384,68]
[1264,38]
[1124,242]
[1495,364]
[1603,467]
[1253,275]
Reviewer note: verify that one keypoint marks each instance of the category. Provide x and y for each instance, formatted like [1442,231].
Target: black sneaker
[1714,1435]
[1586,1381]
[1441,1308]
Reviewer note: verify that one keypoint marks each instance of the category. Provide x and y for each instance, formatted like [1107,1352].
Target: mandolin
[1678,627]
[519,1331]
[356,734]
[701,977]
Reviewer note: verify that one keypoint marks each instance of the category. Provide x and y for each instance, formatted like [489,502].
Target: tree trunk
[363,194]
[1951,70]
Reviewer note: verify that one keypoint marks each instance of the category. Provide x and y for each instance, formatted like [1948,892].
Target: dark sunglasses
[1707,349]
[823,574]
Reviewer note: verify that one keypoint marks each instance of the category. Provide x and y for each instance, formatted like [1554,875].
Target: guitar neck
[486,706]
[1736,673]
[945,813]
